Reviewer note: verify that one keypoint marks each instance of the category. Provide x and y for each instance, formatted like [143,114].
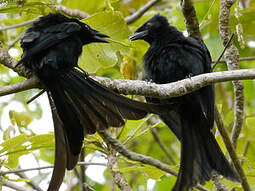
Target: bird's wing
[194,59]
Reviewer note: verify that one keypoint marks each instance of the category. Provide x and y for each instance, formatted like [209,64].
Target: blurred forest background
[26,130]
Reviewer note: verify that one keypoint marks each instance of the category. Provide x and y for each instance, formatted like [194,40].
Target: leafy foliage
[121,59]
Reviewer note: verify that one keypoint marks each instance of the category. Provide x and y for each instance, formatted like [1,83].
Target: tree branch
[190,18]
[117,177]
[46,167]
[11,63]
[162,146]
[72,12]
[218,184]
[231,150]
[13,186]
[30,182]
[135,16]
[18,25]
[249,58]
[119,147]
[137,87]
[232,59]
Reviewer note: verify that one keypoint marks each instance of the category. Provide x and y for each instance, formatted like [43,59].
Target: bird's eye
[148,25]
[87,27]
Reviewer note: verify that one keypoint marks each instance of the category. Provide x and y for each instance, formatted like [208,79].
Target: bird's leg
[189,75]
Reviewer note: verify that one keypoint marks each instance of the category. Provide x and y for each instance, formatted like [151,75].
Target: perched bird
[80,105]
[172,57]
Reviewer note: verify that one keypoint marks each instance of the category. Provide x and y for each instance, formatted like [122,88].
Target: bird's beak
[138,35]
[99,37]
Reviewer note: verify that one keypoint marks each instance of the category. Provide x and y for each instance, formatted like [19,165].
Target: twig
[117,177]
[30,182]
[119,147]
[132,18]
[46,167]
[240,59]
[222,53]
[246,146]
[72,12]
[13,186]
[232,56]
[218,184]
[82,174]
[162,146]
[18,25]
[13,42]
[35,96]
[231,150]
[190,18]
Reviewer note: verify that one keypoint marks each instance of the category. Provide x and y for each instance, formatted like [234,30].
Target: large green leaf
[87,6]
[95,55]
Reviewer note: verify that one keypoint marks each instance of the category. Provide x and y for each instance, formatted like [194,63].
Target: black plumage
[80,105]
[172,57]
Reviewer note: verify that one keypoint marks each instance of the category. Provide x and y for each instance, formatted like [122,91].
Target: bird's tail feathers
[63,157]
[200,156]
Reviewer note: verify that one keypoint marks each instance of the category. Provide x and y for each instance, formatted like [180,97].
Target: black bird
[80,105]
[172,57]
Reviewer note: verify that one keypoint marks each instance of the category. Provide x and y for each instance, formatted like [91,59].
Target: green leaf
[22,119]
[39,141]
[98,55]
[151,171]
[87,6]
[13,142]
[13,158]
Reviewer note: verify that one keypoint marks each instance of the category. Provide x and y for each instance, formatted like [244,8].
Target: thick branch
[232,59]
[231,150]
[132,18]
[46,167]
[137,87]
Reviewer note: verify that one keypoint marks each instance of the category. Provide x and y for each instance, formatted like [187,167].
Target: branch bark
[72,12]
[190,18]
[117,177]
[119,147]
[13,186]
[231,150]
[137,87]
[218,185]
[232,59]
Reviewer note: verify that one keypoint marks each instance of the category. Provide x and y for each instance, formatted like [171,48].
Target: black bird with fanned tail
[172,57]
[80,105]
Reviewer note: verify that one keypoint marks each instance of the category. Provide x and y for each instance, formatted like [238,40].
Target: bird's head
[90,35]
[152,29]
